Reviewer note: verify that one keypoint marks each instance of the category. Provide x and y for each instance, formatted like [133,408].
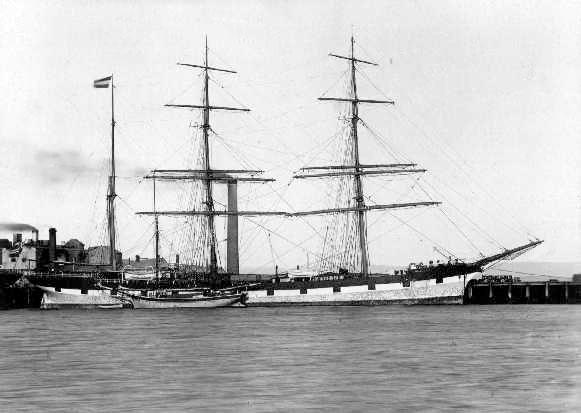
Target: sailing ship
[443,283]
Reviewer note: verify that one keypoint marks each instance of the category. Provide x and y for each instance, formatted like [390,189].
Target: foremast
[357,177]
[356,169]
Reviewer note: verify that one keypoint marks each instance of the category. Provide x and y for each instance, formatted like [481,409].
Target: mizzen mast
[111,195]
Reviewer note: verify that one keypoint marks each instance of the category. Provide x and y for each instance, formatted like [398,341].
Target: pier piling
[522,292]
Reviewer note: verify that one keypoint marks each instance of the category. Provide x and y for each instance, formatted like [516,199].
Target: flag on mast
[102,83]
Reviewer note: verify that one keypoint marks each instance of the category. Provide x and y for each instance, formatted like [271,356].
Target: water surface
[390,358]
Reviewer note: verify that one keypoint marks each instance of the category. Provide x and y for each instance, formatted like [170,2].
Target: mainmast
[206,173]
[207,170]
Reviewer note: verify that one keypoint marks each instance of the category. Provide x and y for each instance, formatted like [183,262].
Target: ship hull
[426,292]
[69,299]
[205,302]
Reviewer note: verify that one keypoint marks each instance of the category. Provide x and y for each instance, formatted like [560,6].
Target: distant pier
[508,290]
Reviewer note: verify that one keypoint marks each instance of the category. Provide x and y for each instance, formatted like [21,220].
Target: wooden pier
[507,291]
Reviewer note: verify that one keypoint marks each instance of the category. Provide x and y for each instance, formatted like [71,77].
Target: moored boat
[54,299]
[139,274]
[174,298]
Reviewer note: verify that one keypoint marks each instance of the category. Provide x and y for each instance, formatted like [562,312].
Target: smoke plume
[16,226]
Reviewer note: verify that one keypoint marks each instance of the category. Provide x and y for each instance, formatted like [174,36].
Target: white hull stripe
[420,292]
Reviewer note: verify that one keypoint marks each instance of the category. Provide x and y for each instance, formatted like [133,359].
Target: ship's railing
[500,279]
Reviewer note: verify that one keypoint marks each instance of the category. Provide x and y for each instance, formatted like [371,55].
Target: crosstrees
[352,58]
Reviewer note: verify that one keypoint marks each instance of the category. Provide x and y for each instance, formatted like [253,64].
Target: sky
[488,97]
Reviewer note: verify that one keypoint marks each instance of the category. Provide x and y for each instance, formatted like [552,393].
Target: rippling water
[479,358]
